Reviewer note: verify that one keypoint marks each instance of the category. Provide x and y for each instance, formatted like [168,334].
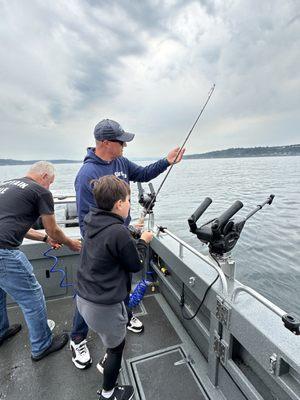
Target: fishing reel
[146,200]
[221,234]
[134,232]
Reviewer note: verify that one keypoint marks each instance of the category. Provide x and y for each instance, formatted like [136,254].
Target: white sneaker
[135,325]
[81,355]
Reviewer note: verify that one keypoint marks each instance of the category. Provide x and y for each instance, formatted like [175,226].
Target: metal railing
[258,297]
[204,258]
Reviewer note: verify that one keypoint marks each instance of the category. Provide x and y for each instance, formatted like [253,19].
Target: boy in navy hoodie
[109,256]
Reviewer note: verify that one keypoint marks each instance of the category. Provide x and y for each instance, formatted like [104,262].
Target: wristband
[45,238]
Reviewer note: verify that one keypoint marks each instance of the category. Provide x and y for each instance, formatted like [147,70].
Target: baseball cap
[107,129]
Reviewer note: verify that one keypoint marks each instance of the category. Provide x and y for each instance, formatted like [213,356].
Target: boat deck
[161,363]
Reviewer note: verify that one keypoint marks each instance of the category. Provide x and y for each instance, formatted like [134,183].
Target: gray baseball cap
[107,129]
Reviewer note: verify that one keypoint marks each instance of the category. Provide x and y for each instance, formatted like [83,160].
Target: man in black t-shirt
[22,201]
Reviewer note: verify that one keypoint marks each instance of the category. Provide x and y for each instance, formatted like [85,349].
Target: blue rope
[63,283]
[139,292]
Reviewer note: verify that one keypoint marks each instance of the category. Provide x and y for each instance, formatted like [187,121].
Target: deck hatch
[162,376]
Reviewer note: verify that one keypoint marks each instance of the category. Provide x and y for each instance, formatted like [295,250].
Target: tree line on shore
[272,151]
[268,151]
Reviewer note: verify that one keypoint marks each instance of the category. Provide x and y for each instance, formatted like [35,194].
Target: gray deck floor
[150,361]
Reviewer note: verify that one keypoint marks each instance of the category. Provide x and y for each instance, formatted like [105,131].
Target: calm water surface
[268,252]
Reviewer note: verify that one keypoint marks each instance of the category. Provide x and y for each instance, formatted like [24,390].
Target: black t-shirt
[22,201]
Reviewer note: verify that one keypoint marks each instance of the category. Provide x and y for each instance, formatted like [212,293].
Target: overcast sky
[66,65]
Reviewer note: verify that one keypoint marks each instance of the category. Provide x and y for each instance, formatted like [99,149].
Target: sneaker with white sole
[81,355]
[123,392]
[135,325]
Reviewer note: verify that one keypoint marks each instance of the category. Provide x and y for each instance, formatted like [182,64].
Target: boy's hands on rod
[147,236]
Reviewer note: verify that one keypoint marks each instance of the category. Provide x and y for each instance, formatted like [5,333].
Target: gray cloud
[66,65]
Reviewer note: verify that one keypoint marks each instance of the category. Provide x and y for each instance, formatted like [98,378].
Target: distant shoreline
[273,151]
[242,152]
[29,162]
[195,156]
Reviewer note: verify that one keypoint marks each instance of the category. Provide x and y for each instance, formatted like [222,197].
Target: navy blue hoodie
[108,256]
[94,167]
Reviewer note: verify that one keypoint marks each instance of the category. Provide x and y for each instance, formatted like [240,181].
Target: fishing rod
[153,197]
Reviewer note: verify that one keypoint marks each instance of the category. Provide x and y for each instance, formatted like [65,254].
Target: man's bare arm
[35,235]
[56,233]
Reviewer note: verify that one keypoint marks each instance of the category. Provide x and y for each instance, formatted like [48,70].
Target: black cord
[182,298]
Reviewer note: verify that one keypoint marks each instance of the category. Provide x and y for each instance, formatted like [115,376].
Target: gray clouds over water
[149,65]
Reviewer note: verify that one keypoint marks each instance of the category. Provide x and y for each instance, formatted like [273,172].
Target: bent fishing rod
[154,195]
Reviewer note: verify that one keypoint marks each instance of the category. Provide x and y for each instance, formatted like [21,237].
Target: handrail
[258,297]
[67,221]
[202,257]
[64,199]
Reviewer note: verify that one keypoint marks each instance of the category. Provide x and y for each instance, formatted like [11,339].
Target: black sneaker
[58,342]
[11,331]
[124,392]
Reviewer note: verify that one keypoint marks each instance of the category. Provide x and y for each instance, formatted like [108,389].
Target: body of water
[267,254]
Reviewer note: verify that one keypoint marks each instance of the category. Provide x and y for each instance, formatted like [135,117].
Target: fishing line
[186,139]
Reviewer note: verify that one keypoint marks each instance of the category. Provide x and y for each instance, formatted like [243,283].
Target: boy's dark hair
[109,189]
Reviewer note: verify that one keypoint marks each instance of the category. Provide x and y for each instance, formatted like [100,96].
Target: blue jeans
[80,328]
[18,280]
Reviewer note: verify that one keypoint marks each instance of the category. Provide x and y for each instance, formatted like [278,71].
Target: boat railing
[64,199]
[70,217]
[290,320]
[258,297]
[203,257]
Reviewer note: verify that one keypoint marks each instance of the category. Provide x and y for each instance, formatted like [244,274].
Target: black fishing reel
[147,200]
[134,232]
[221,234]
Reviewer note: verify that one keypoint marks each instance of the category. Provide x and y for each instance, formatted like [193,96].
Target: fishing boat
[207,336]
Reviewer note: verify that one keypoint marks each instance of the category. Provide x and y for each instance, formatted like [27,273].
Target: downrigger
[221,234]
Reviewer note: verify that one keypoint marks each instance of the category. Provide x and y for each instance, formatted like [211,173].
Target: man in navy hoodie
[107,159]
